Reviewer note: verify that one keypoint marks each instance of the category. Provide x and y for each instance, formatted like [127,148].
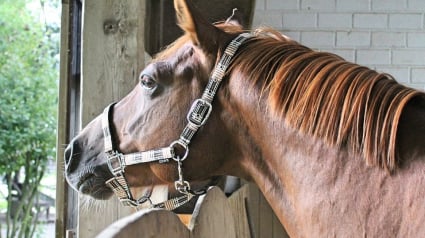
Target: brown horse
[336,148]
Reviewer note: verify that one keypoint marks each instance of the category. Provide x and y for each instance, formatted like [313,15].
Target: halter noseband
[196,117]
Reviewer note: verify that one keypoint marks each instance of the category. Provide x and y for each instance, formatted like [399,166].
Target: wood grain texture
[148,223]
[112,56]
[62,134]
[215,216]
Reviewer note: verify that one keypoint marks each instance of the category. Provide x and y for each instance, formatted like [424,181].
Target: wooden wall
[61,186]
[66,198]
[246,214]
[112,57]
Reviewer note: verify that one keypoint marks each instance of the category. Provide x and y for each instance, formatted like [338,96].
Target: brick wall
[386,35]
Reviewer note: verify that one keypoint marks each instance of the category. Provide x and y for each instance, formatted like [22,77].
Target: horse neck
[294,170]
[279,160]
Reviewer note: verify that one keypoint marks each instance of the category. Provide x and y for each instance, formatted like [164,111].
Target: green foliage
[28,100]
[28,75]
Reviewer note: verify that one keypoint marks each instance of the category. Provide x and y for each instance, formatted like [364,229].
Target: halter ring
[184,146]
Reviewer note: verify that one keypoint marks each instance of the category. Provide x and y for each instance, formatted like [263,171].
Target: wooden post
[65,197]
[62,125]
[112,57]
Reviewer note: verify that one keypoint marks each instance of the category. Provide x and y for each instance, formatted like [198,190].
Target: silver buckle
[128,202]
[199,112]
[116,163]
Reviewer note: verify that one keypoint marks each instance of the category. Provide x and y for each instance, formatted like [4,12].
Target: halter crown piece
[197,117]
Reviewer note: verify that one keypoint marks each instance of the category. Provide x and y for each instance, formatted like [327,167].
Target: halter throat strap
[196,117]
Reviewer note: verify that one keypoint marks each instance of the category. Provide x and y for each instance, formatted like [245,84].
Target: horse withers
[337,149]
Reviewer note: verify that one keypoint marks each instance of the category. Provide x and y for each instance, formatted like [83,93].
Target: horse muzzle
[85,176]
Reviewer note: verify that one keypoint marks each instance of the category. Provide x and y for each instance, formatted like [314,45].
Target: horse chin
[91,181]
[95,187]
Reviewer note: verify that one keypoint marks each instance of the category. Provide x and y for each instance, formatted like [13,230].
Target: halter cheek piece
[197,117]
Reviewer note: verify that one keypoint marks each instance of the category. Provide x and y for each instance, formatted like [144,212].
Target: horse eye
[147,82]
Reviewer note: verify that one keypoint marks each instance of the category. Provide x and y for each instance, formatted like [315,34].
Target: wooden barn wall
[97,67]
[112,57]
[62,138]
[68,116]
[245,214]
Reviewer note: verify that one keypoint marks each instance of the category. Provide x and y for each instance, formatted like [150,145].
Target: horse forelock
[324,96]
[171,50]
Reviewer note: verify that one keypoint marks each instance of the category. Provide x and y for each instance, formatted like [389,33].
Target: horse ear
[202,33]
[236,18]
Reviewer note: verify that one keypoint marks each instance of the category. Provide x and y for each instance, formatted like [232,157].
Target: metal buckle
[116,158]
[182,186]
[129,202]
[199,112]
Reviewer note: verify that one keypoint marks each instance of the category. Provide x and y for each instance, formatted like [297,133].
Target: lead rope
[196,117]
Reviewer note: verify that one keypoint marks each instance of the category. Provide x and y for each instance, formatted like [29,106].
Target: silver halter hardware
[196,117]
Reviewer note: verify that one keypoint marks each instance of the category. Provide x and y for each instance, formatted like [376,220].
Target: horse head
[154,114]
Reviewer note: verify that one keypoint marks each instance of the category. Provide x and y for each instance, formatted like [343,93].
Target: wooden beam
[112,57]
[62,128]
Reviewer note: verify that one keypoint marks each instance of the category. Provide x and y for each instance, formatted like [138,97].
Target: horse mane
[322,95]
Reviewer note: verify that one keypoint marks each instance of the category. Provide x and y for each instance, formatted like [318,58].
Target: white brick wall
[386,35]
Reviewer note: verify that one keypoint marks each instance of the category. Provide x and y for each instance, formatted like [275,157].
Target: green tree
[28,99]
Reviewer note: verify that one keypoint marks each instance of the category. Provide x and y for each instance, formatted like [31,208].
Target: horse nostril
[71,153]
[68,154]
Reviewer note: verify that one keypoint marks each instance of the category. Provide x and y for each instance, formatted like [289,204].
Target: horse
[336,148]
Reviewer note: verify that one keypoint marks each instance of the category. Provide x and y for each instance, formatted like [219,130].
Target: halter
[196,117]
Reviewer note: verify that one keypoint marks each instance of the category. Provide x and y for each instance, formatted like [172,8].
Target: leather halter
[197,117]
